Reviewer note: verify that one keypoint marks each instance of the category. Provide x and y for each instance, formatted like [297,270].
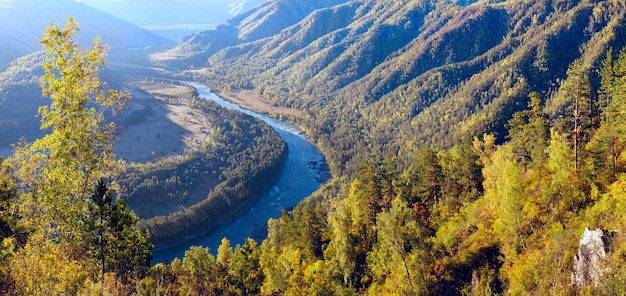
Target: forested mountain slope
[502,128]
[265,20]
[380,78]
[19,100]
[20,97]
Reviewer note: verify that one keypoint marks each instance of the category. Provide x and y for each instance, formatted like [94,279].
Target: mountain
[19,100]
[381,82]
[383,78]
[174,20]
[264,20]
[23,22]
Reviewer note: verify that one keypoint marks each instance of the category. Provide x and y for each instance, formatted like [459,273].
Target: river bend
[305,170]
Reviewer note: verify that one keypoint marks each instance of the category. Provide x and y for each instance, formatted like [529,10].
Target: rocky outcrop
[590,262]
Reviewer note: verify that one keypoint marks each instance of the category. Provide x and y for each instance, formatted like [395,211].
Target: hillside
[473,145]
[23,20]
[262,21]
[409,74]
[20,59]
[19,99]
[20,63]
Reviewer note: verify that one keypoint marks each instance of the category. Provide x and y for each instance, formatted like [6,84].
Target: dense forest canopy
[471,143]
[388,77]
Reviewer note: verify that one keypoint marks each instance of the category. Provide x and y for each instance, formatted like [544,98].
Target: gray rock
[589,264]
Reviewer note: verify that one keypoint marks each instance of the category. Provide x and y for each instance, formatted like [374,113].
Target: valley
[329,147]
[303,173]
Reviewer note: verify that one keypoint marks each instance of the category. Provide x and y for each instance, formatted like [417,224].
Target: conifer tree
[245,271]
[116,242]
[608,145]
[607,79]
[529,133]
[579,119]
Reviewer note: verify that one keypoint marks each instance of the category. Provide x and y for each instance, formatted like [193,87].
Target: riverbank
[252,99]
[303,173]
[230,216]
[150,128]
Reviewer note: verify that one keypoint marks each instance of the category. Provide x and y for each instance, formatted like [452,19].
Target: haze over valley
[174,20]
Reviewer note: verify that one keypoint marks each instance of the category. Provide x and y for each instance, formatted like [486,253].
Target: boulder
[590,262]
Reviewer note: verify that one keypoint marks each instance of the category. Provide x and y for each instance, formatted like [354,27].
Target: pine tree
[529,133]
[607,80]
[537,131]
[116,242]
[609,142]
[245,271]
[580,117]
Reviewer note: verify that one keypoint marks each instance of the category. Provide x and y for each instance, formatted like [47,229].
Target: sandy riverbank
[253,100]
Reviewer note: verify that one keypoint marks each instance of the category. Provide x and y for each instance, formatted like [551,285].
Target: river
[305,170]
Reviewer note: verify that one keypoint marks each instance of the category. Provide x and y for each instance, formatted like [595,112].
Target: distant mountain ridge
[174,19]
[23,21]
[387,77]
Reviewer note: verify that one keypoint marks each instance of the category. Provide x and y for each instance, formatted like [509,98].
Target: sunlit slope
[386,77]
